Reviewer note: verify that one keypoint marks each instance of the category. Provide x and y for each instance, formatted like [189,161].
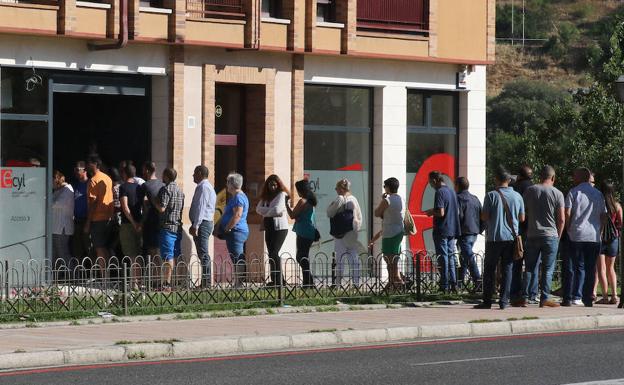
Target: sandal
[603,301]
[613,301]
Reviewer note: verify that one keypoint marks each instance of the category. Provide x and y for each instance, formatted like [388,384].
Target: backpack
[341,223]
[409,227]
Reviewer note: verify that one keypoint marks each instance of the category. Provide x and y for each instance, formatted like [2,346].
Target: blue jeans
[201,243]
[495,251]
[544,248]
[516,276]
[170,244]
[235,242]
[468,261]
[581,271]
[444,247]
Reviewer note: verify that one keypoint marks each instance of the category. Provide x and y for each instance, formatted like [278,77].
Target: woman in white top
[391,210]
[272,207]
[346,247]
[62,220]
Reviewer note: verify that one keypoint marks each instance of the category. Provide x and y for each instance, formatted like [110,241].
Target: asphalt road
[539,359]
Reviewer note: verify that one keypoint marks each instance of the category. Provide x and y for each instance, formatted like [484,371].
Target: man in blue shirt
[445,229]
[471,226]
[81,241]
[201,214]
[500,237]
[585,212]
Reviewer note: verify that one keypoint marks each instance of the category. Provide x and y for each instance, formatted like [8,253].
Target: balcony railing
[403,16]
[215,8]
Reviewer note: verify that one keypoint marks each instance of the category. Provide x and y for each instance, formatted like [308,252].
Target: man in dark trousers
[471,226]
[445,229]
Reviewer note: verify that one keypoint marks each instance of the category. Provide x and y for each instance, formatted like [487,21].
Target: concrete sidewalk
[155,337]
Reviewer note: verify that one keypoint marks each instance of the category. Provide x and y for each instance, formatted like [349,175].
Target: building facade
[316,89]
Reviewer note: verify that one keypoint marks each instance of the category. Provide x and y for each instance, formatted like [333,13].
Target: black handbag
[610,232]
[341,223]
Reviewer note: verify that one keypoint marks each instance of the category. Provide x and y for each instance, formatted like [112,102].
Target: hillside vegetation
[572,32]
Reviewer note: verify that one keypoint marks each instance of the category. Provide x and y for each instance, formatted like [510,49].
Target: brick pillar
[133,18]
[433,28]
[177,19]
[310,24]
[208,125]
[297,96]
[66,16]
[251,9]
[346,13]
[295,11]
[176,111]
[491,30]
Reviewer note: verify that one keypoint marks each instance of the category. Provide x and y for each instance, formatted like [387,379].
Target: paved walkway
[99,335]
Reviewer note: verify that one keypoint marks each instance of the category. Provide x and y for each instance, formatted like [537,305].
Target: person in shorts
[170,203]
[100,211]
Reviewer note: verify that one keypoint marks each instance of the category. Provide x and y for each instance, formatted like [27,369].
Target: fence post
[280,287]
[125,288]
[6,280]
[418,276]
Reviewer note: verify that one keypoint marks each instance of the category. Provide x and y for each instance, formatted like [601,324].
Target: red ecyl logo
[7,180]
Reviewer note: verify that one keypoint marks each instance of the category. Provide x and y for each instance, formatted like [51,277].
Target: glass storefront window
[23,189]
[23,91]
[337,145]
[432,144]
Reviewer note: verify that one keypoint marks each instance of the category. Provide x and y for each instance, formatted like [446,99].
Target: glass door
[25,166]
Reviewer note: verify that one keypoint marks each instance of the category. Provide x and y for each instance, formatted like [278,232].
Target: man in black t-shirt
[150,222]
[131,209]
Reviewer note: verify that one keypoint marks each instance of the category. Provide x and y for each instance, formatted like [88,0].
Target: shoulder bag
[341,223]
[610,232]
[518,252]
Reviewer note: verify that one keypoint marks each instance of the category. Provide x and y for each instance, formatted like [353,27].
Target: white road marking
[618,381]
[468,360]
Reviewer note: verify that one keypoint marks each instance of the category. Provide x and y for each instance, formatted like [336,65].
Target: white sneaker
[577,302]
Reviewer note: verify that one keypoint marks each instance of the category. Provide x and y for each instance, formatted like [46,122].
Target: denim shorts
[610,249]
[170,244]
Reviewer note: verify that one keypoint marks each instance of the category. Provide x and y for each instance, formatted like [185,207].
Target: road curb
[324,339]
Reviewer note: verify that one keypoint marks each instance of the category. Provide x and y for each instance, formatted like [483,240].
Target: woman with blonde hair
[346,219]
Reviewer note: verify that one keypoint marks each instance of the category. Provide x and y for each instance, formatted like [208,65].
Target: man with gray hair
[201,214]
[586,213]
[545,213]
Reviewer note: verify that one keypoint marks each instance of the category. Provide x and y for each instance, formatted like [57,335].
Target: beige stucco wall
[223,31]
[392,45]
[90,21]
[327,39]
[462,29]
[153,25]
[274,35]
[28,18]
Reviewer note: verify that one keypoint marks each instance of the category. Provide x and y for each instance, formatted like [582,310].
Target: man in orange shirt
[100,210]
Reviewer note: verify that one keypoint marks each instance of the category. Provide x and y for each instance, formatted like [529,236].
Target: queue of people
[526,225]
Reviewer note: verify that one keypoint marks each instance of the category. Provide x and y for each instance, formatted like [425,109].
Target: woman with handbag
[346,220]
[605,265]
[303,214]
[272,208]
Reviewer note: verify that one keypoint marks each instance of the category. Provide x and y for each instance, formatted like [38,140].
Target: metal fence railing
[125,286]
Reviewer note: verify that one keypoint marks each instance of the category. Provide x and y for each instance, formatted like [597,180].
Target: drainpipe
[122,41]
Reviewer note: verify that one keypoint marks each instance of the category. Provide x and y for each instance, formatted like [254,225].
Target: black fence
[126,286]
